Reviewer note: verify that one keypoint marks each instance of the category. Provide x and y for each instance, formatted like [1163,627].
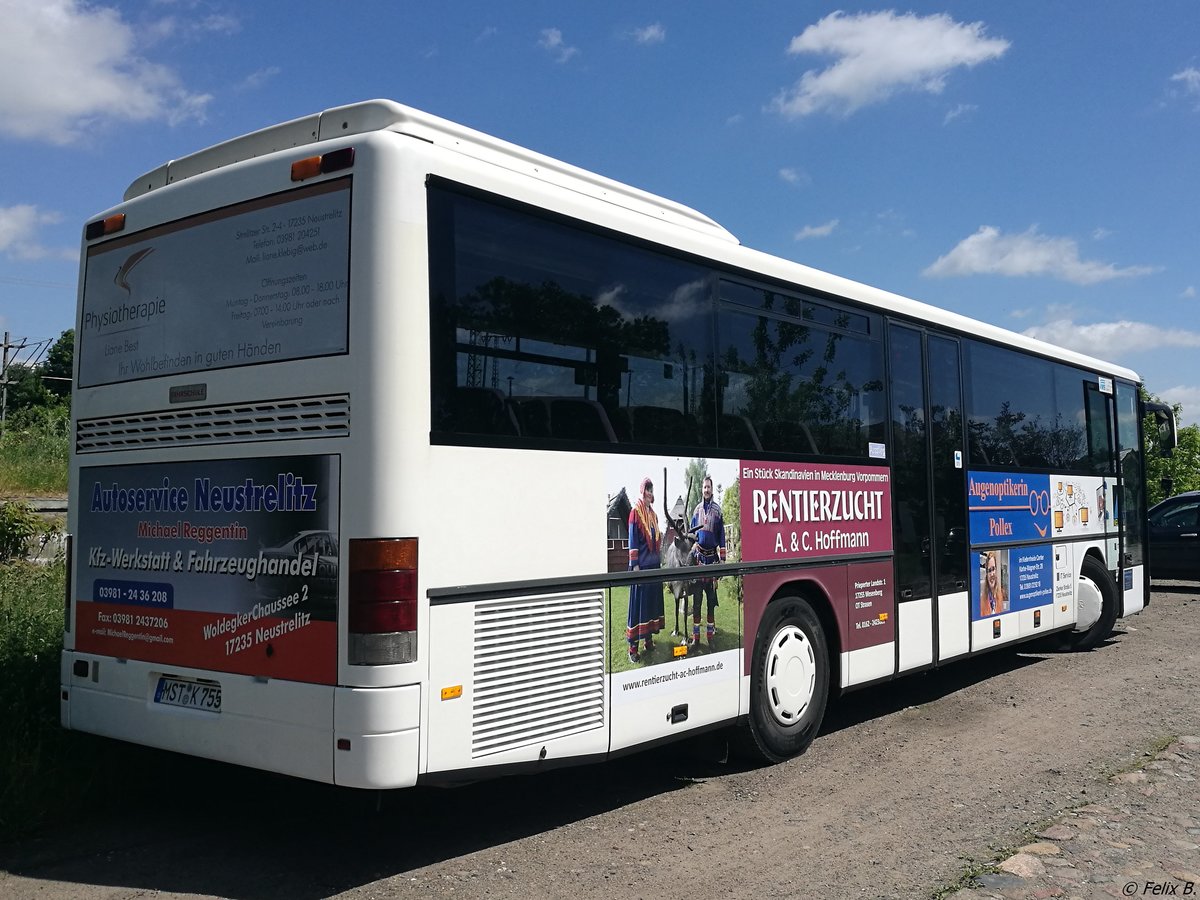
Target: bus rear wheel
[1096,599]
[789,682]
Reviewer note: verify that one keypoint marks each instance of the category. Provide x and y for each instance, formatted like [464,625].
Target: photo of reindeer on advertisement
[676,534]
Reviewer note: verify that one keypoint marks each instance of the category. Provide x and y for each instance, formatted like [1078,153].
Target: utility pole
[4,378]
[4,386]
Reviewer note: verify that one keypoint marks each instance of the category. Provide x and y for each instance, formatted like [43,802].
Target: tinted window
[1028,412]
[910,463]
[1129,452]
[546,331]
[789,386]
[949,493]
[1180,516]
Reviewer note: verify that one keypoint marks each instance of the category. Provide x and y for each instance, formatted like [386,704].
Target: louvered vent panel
[270,420]
[539,670]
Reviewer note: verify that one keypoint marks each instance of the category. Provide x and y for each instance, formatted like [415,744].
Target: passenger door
[933,601]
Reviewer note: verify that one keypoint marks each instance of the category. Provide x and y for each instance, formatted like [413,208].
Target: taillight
[382,622]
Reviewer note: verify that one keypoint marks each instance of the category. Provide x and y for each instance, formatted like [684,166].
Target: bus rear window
[262,281]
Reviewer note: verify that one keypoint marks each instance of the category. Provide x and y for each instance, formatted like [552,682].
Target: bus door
[929,498]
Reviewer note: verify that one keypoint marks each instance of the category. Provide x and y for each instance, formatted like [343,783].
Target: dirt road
[908,785]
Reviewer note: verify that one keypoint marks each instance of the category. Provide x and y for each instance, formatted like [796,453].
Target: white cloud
[958,112]
[170,27]
[1130,337]
[679,306]
[1188,396]
[552,40]
[65,65]
[880,54]
[990,252]
[1189,292]
[816,231]
[487,34]
[19,227]
[256,80]
[794,177]
[1188,79]
[651,34]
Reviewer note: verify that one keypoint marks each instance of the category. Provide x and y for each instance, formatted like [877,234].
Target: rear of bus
[251,363]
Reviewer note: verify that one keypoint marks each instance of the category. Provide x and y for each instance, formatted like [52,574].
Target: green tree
[1182,467]
[694,484]
[25,389]
[731,512]
[57,370]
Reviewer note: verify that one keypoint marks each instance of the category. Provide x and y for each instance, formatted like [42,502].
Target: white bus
[399,449]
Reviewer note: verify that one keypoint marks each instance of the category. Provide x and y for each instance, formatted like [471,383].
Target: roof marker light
[101,227]
[312,166]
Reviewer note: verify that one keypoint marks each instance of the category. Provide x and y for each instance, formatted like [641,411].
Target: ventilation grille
[539,670]
[273,420]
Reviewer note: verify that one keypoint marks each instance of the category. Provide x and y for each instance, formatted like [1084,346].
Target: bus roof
[387,115]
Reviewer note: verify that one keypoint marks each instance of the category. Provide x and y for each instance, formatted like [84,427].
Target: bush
[33,752]
[20,529]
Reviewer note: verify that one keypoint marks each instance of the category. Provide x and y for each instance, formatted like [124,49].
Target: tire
[1095,580]
[789,682]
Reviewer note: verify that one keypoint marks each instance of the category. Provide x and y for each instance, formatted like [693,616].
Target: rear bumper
[288,727]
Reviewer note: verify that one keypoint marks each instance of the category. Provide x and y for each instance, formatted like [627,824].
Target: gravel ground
[910,789]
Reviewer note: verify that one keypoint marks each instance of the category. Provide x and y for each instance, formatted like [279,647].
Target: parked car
[1175,537]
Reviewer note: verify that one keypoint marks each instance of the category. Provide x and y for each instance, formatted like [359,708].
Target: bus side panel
[517,680]
[1133,587]
[858,599]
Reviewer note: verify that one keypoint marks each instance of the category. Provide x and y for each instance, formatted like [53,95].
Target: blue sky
[1033,162]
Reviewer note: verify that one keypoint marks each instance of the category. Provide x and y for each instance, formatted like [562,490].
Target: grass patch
[1157,746]
[33,456]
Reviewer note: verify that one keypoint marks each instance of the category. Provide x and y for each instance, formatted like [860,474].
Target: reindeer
[676,553]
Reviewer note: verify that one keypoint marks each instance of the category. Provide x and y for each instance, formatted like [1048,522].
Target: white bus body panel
[869,664]
[1134,589]
[954,625]
[914,618]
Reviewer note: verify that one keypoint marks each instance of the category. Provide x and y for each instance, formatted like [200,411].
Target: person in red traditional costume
[646,617]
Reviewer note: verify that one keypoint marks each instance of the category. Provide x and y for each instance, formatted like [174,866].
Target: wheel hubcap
[791,674]
[1089,602]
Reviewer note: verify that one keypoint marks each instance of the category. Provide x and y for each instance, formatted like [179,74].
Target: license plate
[188,694]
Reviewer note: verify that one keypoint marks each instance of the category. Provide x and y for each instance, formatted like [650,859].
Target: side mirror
[1164,419]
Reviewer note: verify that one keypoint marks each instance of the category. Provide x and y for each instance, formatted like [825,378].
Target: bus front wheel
[789,681]
[1096,600]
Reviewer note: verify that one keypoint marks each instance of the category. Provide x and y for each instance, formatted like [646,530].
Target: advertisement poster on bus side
[1011,507]
[227,565]
[812,510]
[1021,578]
[261,281]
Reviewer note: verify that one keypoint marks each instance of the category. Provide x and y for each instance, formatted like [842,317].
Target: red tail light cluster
[382,620]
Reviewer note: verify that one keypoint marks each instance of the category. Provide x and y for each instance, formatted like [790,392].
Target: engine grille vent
[272,420]
[539,670]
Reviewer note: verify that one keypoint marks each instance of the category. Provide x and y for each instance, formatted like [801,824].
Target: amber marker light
[306,168]
[312,166]
[452,693]
[102,227]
